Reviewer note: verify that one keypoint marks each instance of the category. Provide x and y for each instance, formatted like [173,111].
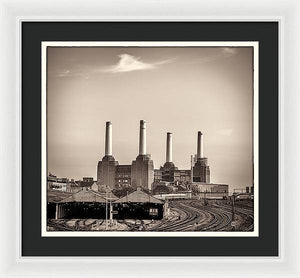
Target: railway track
[62,225]
[246,214]
[189,215]
[194,216]
[221,219]
[59,226]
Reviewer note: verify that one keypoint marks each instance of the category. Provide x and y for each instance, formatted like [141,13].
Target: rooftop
[138,196]
[84,196]
[55,196]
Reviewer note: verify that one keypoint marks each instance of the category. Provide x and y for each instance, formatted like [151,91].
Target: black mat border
[35,32]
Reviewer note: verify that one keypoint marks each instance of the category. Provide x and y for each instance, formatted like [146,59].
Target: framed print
[70,95]
[141,199]
[180,68]
[150,138]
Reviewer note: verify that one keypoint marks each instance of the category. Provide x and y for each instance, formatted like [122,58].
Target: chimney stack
[199,145]
[142,149]
[169,147]
[108,139]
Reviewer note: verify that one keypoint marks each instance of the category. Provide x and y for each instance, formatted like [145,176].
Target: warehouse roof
[108,196]
[84,196]
[54,196]
[138,196]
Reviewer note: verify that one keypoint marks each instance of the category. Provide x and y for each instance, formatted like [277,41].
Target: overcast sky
[178,90]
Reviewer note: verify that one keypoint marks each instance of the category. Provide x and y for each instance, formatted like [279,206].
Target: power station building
[199,171]
[169,172]
[142,169]
[139,174]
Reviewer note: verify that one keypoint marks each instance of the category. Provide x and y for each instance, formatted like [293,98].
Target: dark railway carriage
[138,211]
[53,198]
[82,210]
[88,204]
[51,206]
[82,205]
[138,205]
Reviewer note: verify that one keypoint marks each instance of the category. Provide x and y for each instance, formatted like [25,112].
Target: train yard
[183,215]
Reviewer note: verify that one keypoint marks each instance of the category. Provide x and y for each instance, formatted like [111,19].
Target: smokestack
[142,149]
[200,145]
[169,147]
[108,139]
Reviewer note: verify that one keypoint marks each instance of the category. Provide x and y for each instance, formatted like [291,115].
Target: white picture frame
[288,16]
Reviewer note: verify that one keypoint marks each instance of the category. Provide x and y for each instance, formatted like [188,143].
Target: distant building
[87,179]
[161,187]
[182,176]
[174,196]
[250,189]
[210,190]
[123,176]
[158,175]
[201,171]
[59,184]
[139,174]
[169,172]
[86,182]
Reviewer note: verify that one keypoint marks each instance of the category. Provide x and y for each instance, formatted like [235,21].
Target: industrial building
[139,174]
[139,205]
[200,170]
[197,178]
[169,172]
[59,184]
[92,199]
[142,169]
[83,204]
[210,190]
[174,196]
[90,204]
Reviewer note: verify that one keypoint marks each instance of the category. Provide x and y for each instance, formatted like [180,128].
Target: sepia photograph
[160,140]
[150,139]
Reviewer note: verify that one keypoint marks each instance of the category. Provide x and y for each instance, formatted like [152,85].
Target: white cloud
[126,63]
[78,71]
[129,63]
[221,53]
[229,51]
[64,73]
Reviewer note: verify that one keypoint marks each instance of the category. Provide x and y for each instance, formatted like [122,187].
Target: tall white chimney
[142,147]
[199,145]
[169,147]
[108,139]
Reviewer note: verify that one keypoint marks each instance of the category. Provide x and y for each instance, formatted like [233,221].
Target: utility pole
[56,211]
[233,223]
[233,208]
[192,169]
[110,209]
[106,208]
